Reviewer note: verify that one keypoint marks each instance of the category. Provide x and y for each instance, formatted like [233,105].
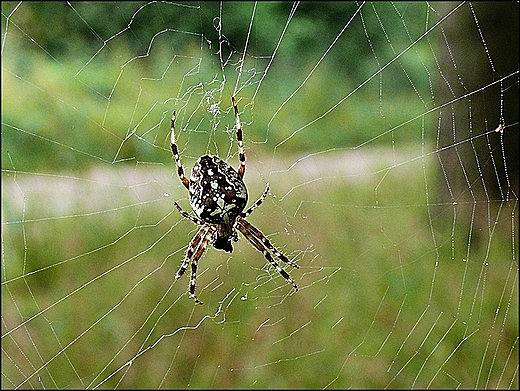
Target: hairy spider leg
[257,203]
[259,241]
[194,262]
[196,248]
[192,246]
[260,236]
[175,151]
[241,155]
[185,214]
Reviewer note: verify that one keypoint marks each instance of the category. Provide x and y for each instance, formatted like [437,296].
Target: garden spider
[218,197]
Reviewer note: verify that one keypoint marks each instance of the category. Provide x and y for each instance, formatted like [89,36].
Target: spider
[218,197]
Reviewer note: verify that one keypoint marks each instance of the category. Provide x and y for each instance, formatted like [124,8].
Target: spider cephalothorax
[218,197]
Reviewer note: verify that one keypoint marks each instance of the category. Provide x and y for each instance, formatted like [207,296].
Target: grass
[374,289]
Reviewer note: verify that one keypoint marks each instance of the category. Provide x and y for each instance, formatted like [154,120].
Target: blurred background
[388,133]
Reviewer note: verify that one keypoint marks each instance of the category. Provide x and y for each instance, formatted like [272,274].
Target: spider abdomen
[217,193]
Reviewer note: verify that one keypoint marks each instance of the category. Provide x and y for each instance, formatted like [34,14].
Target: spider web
[390,143]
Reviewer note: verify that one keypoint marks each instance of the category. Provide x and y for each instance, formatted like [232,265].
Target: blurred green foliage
[101,96]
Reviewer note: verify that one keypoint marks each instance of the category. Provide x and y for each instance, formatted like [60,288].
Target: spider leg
[257,203]
[250,228]
[175,151]
[241,155]
[263,245]
[186,215]
[194,243]
[195,261]
[196,248]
